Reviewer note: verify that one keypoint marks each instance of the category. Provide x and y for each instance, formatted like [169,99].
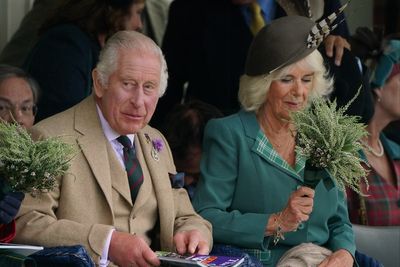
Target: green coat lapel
[251,129]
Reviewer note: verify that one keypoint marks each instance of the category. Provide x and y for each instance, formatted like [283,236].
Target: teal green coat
[241,187]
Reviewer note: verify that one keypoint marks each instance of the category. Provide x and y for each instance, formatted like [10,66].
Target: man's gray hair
[7,71]
[129,40]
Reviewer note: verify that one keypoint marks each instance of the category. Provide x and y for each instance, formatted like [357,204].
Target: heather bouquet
[28,166]
[330,140]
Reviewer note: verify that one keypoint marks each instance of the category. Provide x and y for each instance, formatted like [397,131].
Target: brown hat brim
[279,44]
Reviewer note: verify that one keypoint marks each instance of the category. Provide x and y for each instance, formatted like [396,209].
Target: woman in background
[67,51]
[381,205]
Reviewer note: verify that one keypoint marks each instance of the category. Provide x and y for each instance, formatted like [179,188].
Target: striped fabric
[132,166]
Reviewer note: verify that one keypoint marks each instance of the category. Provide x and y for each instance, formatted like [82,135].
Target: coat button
[301,226]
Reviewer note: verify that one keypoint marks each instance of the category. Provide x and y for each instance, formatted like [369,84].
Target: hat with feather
[287,40]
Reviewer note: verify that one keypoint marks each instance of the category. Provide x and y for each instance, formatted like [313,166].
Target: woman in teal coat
[251,188]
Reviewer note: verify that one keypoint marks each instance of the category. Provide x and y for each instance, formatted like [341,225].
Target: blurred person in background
[18,96]
[184,130]
[381,204]
[69,45]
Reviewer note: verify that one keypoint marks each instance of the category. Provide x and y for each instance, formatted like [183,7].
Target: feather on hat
[287,40]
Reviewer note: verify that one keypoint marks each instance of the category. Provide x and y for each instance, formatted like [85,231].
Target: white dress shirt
[111,136]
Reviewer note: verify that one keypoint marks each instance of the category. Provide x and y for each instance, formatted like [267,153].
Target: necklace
[370,149]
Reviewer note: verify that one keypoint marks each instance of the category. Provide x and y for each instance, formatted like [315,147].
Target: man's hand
[339,258]
[191,242]
[128,250]
[337,43]
[9,206]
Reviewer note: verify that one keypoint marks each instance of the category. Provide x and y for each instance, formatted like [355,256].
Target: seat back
[379,242]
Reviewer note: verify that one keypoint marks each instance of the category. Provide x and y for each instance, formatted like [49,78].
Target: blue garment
[71,256]
[9,206]
[366,261]
[11,259]
[268,8]
[227,250]
[62,62]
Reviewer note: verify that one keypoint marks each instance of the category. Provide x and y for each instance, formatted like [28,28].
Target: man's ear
[97,85]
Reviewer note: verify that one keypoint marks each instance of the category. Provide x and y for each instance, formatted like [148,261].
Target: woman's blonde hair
[253,89]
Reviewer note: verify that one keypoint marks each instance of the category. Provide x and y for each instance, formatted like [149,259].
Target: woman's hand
[298,209]
[339,258]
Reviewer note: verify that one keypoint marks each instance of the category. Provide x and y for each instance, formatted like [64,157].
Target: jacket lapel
[251,129]
[93,145]
[162,187]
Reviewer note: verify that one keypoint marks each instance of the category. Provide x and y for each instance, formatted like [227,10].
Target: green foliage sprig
[28,166]
[330,139]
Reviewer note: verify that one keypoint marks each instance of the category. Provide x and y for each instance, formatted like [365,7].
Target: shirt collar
[265,148]
[109,132]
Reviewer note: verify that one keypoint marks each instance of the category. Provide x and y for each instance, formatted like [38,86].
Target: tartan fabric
[132,166]
[264,147]
[262,256]
[383,200]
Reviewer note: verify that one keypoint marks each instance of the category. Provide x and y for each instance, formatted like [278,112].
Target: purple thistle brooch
[157,146]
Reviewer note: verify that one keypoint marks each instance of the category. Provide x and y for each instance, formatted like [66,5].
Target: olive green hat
[285,41]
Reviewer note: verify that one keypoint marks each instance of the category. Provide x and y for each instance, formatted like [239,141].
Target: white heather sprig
[28,166]
[330,139]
